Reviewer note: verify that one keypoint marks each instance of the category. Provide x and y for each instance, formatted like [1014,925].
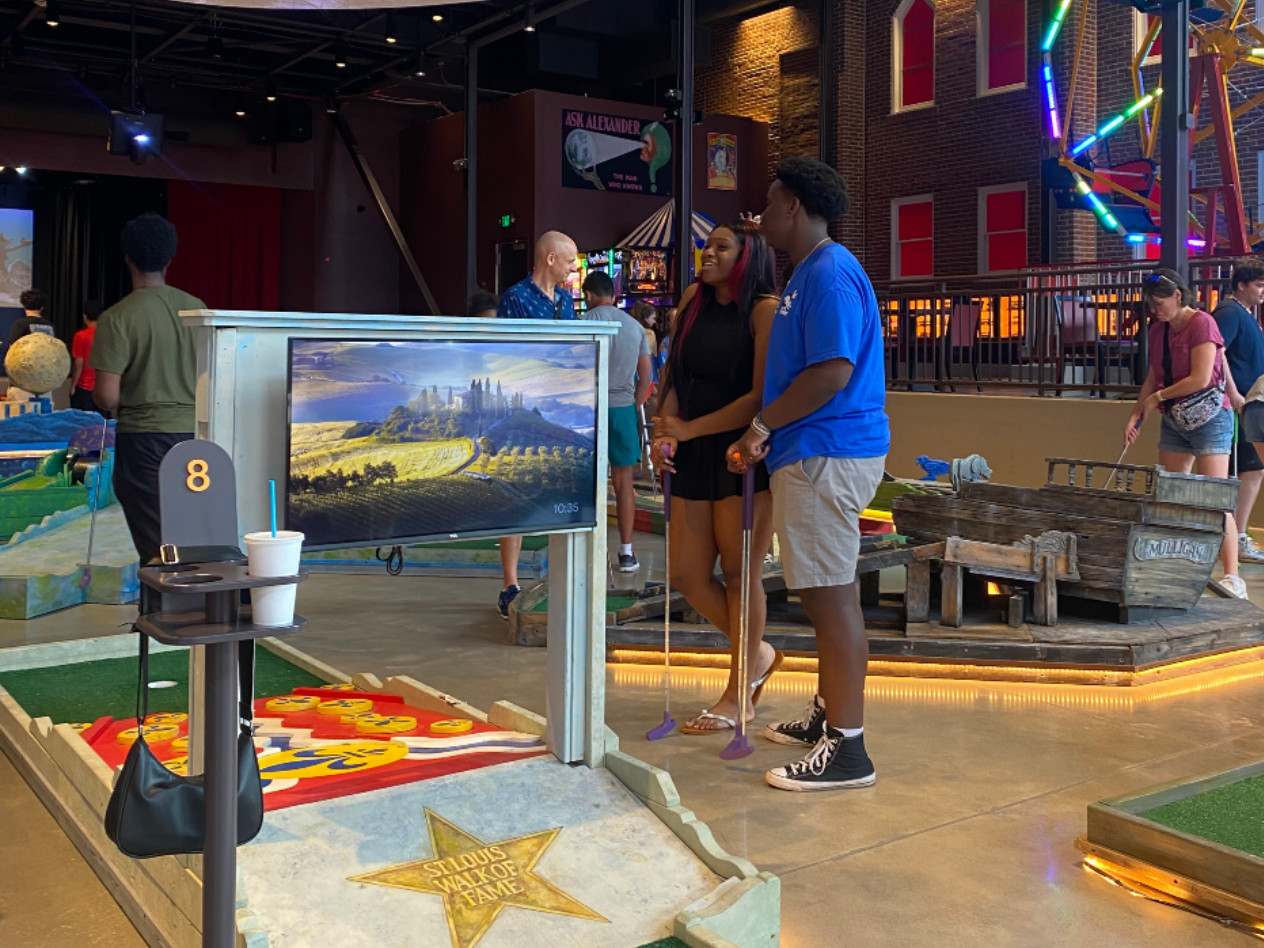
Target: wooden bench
[1042,560]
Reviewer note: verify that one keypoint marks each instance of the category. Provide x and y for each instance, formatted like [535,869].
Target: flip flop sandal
[728,724]
[757,686]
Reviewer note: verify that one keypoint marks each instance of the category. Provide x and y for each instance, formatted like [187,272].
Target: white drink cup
[269,555]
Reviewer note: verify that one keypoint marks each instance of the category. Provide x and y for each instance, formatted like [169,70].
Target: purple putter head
[666,727]
[737,748]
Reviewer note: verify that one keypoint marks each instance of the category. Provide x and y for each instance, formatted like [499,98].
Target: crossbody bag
[1192,411]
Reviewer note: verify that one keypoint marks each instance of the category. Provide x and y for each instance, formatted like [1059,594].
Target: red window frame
[1003,228]
[913,30]
[913,237]
[1003,45]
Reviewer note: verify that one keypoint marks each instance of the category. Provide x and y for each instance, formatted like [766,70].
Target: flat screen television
[415,440]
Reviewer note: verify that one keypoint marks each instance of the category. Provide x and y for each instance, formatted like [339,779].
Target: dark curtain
[230,244]
[78,225]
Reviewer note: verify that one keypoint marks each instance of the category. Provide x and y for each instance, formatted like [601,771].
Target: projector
[136,134]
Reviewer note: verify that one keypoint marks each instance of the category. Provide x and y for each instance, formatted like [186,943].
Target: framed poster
[17,234]
[605,152]
[721,161]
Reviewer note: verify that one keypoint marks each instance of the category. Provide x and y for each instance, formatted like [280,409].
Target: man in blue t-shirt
[542,294]
[1244,351]
[823,433]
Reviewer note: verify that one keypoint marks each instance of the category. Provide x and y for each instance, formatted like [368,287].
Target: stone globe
[37,363]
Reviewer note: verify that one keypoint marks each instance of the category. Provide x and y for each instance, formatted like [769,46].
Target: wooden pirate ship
[1145,538]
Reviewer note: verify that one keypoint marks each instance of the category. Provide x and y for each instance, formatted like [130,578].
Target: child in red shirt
[83,378]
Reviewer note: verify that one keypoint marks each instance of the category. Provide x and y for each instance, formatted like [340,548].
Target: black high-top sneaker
[835,763]
[807,730]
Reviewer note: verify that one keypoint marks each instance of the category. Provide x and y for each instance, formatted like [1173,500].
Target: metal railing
[1043,331]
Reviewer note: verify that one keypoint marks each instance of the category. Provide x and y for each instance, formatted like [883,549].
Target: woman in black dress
[713,388]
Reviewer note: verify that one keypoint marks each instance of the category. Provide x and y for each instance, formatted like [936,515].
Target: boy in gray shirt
[629,382]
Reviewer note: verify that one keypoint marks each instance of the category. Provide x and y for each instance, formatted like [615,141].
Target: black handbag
[154,812]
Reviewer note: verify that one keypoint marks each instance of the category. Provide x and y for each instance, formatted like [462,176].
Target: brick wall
[851,147]
[765,67]
[951,149]
[745,75]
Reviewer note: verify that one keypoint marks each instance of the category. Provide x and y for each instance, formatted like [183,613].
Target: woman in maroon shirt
[1186,365]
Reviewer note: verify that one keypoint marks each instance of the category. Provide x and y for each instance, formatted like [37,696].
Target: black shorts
[137,456]
[1248,457]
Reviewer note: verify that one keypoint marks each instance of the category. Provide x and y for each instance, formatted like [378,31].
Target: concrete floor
[967,838]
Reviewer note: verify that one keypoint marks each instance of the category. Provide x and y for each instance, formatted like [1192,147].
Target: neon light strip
[1055,26]
[1194,243]
[1108,219]
[1113,124]
[1051,98]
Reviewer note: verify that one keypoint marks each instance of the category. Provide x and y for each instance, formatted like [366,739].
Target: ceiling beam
[172,38]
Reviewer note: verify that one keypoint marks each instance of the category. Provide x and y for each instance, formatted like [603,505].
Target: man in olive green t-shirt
[146,373]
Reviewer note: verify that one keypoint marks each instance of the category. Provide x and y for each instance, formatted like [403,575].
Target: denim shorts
[1215,437]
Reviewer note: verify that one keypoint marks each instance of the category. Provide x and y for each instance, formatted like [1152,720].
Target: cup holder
[193,579]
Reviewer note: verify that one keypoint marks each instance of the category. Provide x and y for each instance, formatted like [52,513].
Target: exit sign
[506,220]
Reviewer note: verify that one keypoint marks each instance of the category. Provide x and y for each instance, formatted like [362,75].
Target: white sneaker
[1235,585]
[1247,550]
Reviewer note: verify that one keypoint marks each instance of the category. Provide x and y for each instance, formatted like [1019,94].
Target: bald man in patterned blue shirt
[542,294]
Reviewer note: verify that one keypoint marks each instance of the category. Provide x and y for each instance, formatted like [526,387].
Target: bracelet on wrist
[759,427]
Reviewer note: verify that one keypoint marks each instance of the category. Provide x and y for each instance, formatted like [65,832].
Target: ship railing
[1139,479]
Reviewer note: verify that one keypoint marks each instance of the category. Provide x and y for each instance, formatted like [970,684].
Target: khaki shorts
[816,505]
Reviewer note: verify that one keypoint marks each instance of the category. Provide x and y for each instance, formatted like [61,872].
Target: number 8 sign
[198,496]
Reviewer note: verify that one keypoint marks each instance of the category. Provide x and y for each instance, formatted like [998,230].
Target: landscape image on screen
[17,230]
[413,439]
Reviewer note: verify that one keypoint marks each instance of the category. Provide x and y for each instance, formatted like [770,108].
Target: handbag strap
[246,681]
[1167,355]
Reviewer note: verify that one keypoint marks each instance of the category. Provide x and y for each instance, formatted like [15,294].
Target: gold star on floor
[478,879]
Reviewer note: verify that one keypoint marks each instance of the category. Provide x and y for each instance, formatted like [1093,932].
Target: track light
[20,169]
[215,47]
[419,66]
[529,28]
[52,15]
[530,24]
[240,113]
[437,18]
[392,36]
[340,56]
[270,93]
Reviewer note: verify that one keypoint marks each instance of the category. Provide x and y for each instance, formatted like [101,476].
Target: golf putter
[668,723]
[86,579]
[1115,470]
[646,446]
[740,746]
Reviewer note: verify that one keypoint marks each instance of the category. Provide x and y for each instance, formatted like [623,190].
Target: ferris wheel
[1125,195]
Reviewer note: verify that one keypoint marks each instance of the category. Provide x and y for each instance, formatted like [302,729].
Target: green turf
[85,691]
[613,603]
[1232,815]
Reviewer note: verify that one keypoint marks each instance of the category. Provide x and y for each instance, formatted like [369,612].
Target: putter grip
[748,498]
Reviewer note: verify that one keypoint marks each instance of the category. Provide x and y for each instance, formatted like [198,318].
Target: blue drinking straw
[272,504]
